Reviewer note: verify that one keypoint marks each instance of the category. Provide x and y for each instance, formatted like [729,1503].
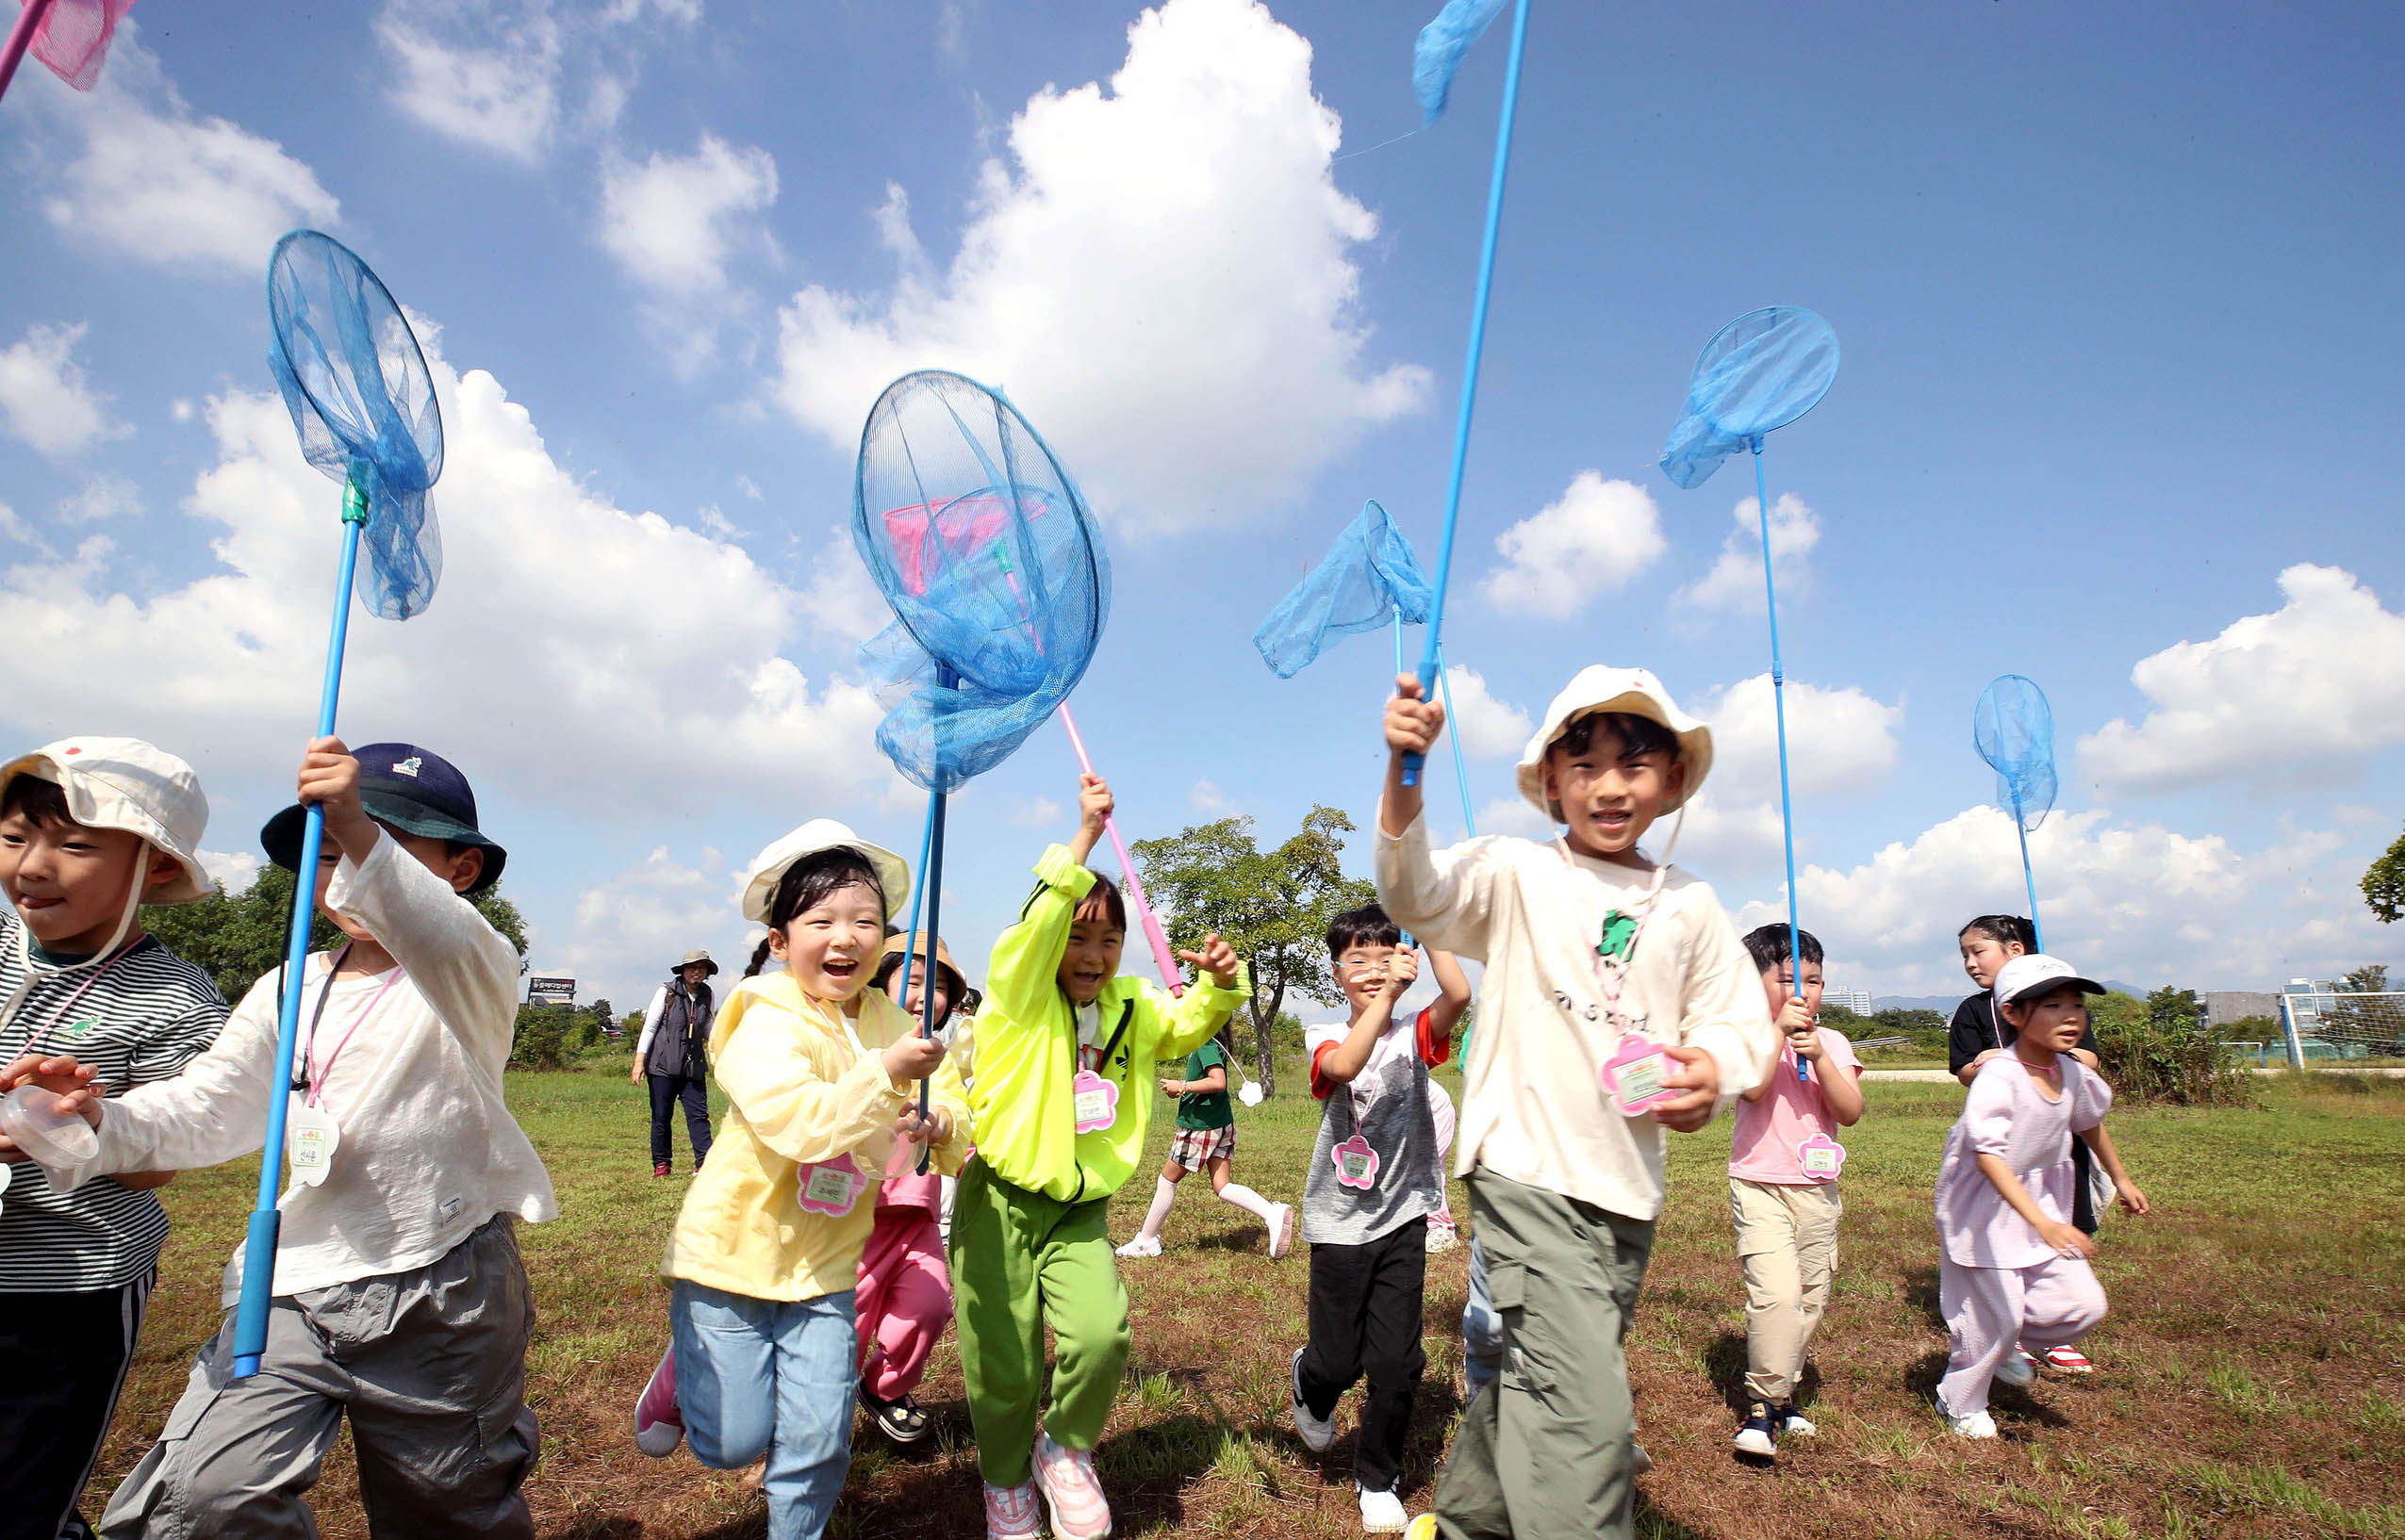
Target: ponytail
[759,957]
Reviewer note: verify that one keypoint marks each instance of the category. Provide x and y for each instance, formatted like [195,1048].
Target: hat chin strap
[36,970]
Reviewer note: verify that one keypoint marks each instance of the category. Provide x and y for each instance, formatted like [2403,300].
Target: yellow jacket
[801,1096]
[1026,1050]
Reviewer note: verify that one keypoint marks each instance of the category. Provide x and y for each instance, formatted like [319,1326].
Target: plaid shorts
[1194,1148]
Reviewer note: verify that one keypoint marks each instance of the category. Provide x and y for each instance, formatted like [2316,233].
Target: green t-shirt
[1205,1109]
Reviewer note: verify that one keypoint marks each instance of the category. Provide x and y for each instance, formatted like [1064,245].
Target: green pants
[1543,1452]
[1022,1262]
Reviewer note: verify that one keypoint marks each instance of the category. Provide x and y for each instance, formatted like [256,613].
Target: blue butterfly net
[1437,56]
[994,566]
[1365,578]
[1761,371]
[356,385]
[2014,730]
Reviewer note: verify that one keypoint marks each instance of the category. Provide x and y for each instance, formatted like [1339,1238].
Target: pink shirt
[2008,1117]
[1770,1131]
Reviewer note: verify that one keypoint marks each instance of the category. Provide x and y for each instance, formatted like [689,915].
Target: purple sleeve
[1987,1115]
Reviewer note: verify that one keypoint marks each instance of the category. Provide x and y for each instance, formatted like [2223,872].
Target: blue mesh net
[1443,42]
[1365,577]
[1761,371]
[357,388]
[993,568]
[2014,730]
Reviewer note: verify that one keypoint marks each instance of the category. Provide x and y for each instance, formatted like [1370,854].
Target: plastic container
[50,1139]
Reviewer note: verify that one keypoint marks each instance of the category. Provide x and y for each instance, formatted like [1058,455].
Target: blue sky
[2118,292]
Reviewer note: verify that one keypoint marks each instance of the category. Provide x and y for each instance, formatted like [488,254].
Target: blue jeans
[758,1377]
[1481,1328]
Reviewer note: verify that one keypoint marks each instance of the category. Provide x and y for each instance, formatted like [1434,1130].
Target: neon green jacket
[1021,1105]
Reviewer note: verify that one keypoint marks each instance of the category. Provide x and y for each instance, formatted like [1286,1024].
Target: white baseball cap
[768,868]
[1636,691]
[126,784]
[2034,973]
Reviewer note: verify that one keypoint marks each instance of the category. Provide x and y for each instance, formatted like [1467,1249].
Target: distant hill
[1944,1004]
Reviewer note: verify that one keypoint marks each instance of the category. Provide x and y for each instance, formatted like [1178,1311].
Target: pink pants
[1990,1310]
[903,1303]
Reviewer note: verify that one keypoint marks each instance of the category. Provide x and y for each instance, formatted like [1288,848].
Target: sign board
[549,989]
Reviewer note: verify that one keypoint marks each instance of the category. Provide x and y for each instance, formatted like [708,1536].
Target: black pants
[1365,1324]
[667,1090]
[62,1361]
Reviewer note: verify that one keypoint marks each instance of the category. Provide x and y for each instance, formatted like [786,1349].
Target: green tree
[2384,884]
[1271,906]
[2163,1050]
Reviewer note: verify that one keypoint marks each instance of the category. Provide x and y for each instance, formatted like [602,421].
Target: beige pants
[1787,1239]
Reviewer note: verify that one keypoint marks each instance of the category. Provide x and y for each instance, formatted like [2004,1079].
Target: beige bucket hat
[701,956]
[768,868]
[1636,691]
[126,784]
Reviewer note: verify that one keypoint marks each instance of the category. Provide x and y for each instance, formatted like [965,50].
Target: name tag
[1097,1102]
[1357,1164]
[1822,1157]
[831,1188]
[1635,1076]
[311,1137]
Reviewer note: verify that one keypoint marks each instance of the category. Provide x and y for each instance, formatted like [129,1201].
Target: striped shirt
[147,1015]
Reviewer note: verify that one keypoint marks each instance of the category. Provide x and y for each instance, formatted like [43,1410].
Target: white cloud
[1515,814]
[23,533]
[487,76]
[1041,813]
[628,640]
[749,488]
[1734,581]
[2321,679]
[1162,277]
[1207,797]
[103,496]
[1488,726]
[2136,902]
[628,929]
[46,398]
[841,600]
[231,870]
[1592,539]
[161,184]
[670,220]
[1840,740]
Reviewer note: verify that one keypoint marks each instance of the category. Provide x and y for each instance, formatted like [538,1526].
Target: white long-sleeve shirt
[1533,1107]
[428,1149]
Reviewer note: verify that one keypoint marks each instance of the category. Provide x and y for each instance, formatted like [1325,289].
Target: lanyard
[69,1004]
[312,1085]
[1611,972]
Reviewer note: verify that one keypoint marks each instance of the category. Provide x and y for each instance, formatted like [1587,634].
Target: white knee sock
[1246,1199]
[1164,1193]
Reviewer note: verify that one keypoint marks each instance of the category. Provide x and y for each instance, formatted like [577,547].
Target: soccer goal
[2343,1025]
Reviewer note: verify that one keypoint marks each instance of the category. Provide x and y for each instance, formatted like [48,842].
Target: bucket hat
[698,954]
[126,784]
[1635,690]
[768,868]
[403,787]
[915,945]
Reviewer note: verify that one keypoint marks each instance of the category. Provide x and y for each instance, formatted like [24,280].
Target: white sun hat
[2037,974]
[768,868]
[1636,691]
[126,784]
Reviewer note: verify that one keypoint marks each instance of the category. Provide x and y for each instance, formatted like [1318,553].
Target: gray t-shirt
[1387,1107]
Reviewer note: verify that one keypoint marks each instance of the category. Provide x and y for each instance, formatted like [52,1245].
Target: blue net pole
[2028,876]
[1411,763]
[258,1247]
[918,899]
[1779,709]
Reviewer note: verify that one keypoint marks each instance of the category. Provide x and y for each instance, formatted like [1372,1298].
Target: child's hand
[2067,1241]
[1412,724]
[2132,1199]
[1401,972]
[60,1074]
[934,1128]
[1802,1034]
[1987,1053]
[1217,958]
[1699,1075]
[1173,1087]
[912,1059]
[1094,805]
[330,777]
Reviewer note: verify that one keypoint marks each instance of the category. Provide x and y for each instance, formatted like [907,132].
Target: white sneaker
[1281,1230]
[1011,1512]
[1317,1434]
[1142,1246]
[1071,1490]
[1441,1235]
[1792,1423]
[1978,1425]
[2018,1369]
[1381,1512]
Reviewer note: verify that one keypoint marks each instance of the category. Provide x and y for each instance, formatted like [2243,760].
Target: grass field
[2251,1382]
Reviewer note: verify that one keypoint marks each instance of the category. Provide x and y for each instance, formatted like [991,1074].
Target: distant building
[2222,1007]
[1857,1001]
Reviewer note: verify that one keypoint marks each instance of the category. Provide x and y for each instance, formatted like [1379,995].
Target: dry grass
[2251,1382]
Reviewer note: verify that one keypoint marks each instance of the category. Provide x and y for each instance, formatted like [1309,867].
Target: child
[1064,1048]
[1206,1139]
[904,1299]
[1783,1187]
[1374,1179]
[672,1054]
[91,829]
[1593,953]
[820,1073]
[2012,1268]
[400,1299]
[1976,1036]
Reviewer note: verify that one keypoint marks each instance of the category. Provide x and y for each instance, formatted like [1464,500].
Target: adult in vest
[671,1055]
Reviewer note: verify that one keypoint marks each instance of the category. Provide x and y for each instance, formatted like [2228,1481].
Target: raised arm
[1452,1000]
[1022,978]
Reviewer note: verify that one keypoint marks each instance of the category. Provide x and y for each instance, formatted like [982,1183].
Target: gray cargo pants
[1543,1452]
[430,1365]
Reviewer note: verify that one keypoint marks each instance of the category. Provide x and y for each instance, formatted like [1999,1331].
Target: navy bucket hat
[403,787]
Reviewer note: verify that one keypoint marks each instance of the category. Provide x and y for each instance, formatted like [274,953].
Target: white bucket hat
[1636,691]
[126,784]
[768,868]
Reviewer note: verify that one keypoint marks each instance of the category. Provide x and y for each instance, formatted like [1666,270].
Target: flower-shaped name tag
[1822,1157]
[1096,1101]
[1634,1076]
[831,1187]
[1357,1164]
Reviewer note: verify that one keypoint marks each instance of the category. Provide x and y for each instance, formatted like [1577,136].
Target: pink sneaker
[659,1426]
[1011,1512]
[1066,1477]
